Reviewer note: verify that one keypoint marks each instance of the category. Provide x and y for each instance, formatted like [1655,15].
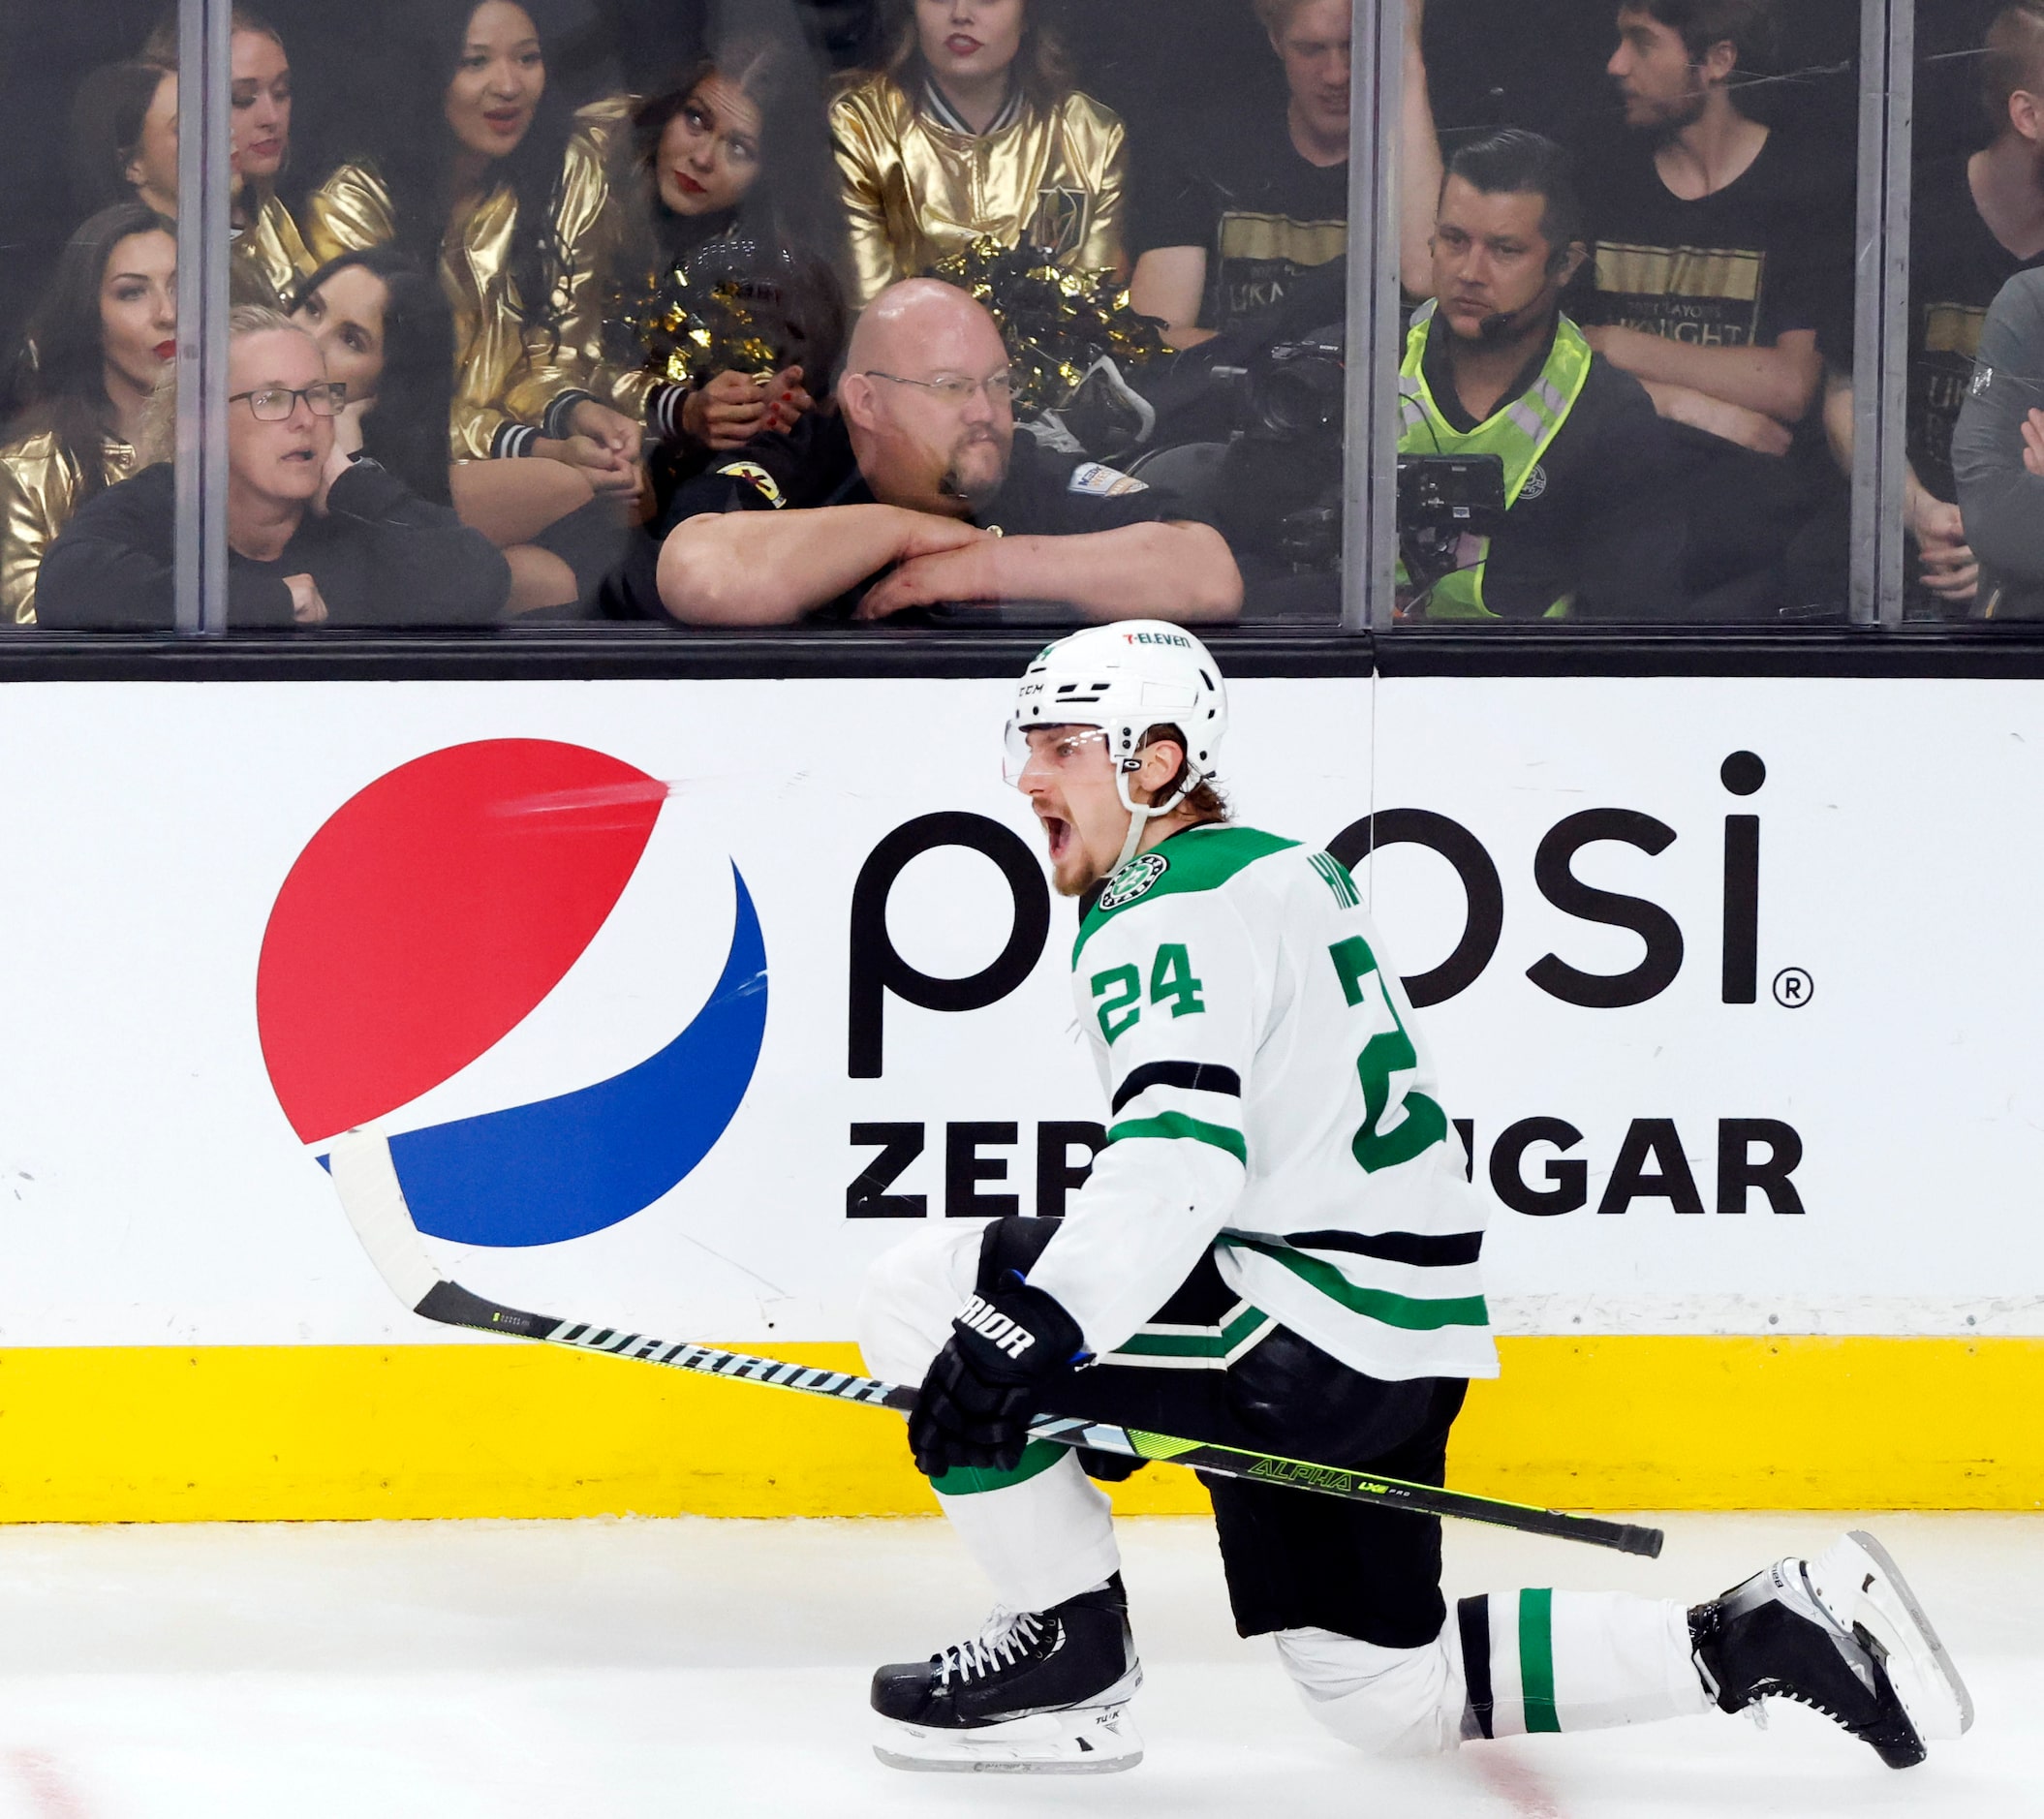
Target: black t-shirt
[1047,494]
[1259,210]
[1598,517]
[1763,257]
[380,556]
[1957,268]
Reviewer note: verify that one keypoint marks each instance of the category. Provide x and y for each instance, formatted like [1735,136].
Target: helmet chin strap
[1140,817]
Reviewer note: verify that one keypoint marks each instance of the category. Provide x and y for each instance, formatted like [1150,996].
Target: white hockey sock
[1042,1541]
[1539,1660]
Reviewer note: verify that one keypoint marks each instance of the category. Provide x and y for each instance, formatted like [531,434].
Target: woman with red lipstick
[974,129]
[728,160]
[269,254]
[104,336]
[483,174]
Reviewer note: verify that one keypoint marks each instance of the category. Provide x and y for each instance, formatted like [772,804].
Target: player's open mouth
[1059,834]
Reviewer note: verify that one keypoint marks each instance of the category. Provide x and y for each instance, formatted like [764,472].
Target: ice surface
[718,1670]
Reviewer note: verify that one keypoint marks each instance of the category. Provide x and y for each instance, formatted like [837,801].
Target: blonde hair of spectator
[1040,65]
[158,441]
[2013,60]
[1274,15]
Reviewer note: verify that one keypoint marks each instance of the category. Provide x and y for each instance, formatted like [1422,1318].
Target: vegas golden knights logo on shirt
[1706,297]
[1059,222]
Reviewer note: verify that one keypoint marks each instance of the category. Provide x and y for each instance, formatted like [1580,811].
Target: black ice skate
[1841,1633]
[1042,1691]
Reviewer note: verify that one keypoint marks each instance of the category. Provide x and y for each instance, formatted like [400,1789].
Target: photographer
[1588,524]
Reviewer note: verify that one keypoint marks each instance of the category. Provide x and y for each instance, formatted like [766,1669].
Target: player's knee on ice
[1387,1702]
[909,1297]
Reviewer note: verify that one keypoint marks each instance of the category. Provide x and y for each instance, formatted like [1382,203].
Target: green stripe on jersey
[1176,1124]
[1335,876]
[1196,858]
[1411,1312]
[1537,1659]
[1203,1343]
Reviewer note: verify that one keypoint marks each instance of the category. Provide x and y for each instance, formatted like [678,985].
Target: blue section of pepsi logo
[565,1167]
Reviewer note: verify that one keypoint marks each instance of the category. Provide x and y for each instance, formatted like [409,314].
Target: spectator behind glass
[314,538]
[1223,230]
[123,138]
[1493,368]
[270,256]
[733,151]
[98,345]
[974,129]
[922,469]
[388,336]
[1974,222]
[1719,249]
[478,170]
[1998,453]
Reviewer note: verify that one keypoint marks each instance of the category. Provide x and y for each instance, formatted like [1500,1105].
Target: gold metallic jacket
[917,193]
[39,490]
[579,362]
[494,350]
[269,256]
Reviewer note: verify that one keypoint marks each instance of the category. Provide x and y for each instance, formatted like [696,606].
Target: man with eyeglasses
[317,535]
[919,495]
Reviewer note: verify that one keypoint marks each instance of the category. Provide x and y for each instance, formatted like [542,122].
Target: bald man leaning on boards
[919,494]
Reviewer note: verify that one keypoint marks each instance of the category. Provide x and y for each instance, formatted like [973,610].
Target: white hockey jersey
[1270,1102]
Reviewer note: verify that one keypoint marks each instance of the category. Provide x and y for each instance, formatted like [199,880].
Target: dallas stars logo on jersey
[1134,879]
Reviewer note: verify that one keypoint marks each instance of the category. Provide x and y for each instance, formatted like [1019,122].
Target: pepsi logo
[421,937]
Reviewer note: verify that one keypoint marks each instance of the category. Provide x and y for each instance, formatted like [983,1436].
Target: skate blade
[1879,1599]
[1088,1740]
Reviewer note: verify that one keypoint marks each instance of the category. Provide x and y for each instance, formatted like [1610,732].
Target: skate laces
[1000,1643]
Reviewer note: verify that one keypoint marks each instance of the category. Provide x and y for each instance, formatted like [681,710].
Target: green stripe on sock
[969,1480]
[1170,1124]
[1537,1659]
[1414,1314]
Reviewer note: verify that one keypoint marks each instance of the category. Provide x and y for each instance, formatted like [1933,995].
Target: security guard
[1593,526]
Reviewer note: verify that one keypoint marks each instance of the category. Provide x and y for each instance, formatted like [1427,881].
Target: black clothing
[2001,501]
[1763,257]
[1293,1560]
[1600,517]
[1957,268]
[812,466]
[382,556]
[1259,211]
[1769,255]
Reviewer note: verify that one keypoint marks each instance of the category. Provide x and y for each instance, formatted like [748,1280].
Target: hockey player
[1276,1250]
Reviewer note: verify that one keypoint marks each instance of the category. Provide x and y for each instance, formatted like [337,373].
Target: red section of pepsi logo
[431,914]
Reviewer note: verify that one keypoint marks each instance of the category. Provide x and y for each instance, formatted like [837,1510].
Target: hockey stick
[374,1200]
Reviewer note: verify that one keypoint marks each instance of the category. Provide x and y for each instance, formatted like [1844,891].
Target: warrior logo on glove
[997,1328]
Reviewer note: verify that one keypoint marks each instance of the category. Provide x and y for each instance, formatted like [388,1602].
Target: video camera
[1442,499]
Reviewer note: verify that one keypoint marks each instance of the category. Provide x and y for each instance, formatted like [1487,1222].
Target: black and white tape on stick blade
[374,1200]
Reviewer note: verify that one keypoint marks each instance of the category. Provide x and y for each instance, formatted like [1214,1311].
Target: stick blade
[366,1180]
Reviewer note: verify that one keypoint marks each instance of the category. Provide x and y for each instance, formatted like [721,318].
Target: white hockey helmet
[1126,678]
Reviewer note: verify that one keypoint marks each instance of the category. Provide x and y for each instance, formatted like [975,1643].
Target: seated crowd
[723,337]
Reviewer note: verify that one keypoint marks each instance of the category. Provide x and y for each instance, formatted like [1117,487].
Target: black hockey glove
[980,1394]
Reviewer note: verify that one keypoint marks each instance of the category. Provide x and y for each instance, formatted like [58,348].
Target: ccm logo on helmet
[996,1328]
